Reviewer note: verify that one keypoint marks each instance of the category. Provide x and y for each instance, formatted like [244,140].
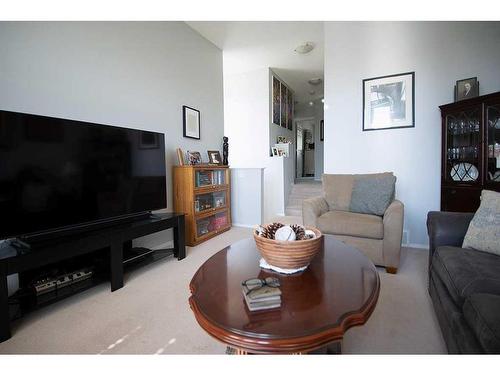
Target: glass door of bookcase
[463,146]
[209,177]
[493,144]
[212,223]
[210,201]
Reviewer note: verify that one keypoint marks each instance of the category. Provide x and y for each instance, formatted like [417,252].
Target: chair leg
[392,270]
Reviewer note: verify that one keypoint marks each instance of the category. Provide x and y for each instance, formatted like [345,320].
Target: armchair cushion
[351,224]
[338,188]
[372,195]
[466,271]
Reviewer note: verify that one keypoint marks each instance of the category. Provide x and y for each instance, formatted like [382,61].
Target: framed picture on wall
[321,130]
[289,118]
[276,101]
[191,122]
[284,105]
[389,102]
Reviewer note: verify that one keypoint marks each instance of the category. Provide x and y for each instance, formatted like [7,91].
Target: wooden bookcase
[203,193]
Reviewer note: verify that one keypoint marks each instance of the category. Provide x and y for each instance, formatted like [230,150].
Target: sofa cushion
[351,224]
[372,195]
[484,229]
[466,271]
[482,312]
[337,189]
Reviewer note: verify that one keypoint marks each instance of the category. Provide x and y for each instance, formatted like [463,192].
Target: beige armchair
[377,237]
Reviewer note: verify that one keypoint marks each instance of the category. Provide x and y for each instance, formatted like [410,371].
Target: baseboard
[417,245]
[243,225]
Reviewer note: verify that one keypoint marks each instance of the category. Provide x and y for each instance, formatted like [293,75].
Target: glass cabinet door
[493,143]
[210,201]
[209,177]
[211,223]
[463,146]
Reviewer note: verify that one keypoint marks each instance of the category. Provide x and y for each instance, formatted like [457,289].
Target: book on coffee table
[262,298]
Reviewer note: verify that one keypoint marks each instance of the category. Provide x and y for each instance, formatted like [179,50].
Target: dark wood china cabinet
[470,160]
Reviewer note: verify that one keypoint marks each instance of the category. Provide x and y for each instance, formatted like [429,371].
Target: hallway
[302,189]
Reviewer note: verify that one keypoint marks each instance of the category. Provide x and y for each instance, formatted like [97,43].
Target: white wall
[440,53]
[246,123]
[247,191]
[132,74]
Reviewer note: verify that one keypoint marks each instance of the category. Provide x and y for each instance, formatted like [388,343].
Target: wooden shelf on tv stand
[193,183]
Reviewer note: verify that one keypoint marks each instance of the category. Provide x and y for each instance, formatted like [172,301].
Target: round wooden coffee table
[337,291]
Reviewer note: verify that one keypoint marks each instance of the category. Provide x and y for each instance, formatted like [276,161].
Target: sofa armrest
[312,208]
[446,229]
[393,233]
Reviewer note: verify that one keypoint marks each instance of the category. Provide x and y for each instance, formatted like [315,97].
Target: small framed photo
[389,102]
[275,151]
[322,130]
[214,157]
[191,122]
[466,89]
[194,157]
[281,139]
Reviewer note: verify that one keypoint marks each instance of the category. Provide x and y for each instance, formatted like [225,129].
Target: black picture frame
[214,157]
[474,90]
[322,130]
[191,133]
[412,106]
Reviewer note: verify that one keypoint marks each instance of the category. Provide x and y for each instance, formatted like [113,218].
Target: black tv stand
[117,239]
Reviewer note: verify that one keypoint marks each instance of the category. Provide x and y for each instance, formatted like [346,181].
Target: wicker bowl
[289,254]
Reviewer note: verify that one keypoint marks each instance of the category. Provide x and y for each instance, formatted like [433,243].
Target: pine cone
[299,230]
[262,231]
[272,228]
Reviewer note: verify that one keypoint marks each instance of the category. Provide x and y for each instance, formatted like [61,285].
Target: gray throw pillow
[484,229]
[372,195]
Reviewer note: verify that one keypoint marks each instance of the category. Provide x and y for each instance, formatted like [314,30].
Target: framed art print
[191,122]
[276,101]
[389,102]
[284,105]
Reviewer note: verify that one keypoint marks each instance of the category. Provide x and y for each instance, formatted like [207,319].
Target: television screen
[56,173]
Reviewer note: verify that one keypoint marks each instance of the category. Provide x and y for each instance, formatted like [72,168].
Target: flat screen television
[56,174]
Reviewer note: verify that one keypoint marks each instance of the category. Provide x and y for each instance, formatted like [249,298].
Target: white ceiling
[249,46]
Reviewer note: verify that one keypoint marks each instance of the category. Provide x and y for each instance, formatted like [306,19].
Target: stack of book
[262,298]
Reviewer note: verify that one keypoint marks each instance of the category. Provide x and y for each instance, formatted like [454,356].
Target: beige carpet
[151,314]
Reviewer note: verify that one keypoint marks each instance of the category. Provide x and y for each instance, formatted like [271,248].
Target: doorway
[305,152]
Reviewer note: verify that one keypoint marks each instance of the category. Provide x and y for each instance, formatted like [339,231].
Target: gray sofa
[464,285]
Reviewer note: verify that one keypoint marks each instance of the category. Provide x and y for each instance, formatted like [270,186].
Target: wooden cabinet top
[469,102]
[203,166]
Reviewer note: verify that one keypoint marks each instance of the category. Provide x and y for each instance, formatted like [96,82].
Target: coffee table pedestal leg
[332,348]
